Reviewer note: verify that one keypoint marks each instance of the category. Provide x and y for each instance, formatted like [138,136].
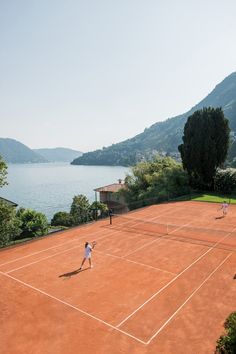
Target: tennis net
[218,238]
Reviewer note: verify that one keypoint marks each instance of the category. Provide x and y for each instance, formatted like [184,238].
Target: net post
[110,216]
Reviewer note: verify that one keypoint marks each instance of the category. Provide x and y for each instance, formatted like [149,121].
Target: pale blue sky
[88,73]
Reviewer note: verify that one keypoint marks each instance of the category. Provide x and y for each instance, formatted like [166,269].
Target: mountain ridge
[58,154]
[13,151]
[165,136]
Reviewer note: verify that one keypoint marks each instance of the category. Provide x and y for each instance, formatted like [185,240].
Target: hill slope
[12,151]
[58,154]
[164,136]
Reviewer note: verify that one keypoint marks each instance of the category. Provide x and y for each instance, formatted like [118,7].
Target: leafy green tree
[226,344]
[33,223]
[80,210]
[9,224]
[205,145]
[3,172]
[98,209]
[62,218]
[160,179]
[100,206]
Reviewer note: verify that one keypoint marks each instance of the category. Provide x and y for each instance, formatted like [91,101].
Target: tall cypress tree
[205,145]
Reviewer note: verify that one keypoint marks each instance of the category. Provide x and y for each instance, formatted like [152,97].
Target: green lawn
[215,198]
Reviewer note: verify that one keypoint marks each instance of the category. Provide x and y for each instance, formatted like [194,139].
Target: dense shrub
[155,181]
[33,223]
[62,218]
[80,210]
[225,180]
[9,224]
[98,209]
[226,344]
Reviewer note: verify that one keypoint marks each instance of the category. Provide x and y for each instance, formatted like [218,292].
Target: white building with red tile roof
[109,195]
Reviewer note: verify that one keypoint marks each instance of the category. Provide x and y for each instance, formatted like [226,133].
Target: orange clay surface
[148,293]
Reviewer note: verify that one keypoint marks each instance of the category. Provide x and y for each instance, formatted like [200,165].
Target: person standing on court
[224,208]
[88,253]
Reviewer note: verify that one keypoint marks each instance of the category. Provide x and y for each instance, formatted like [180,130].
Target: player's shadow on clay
[74,272]
[220,217]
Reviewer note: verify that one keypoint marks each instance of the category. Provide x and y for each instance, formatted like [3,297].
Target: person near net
[224,207]
[88,247]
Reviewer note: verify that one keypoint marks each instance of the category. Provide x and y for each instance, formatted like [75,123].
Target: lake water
[50,187]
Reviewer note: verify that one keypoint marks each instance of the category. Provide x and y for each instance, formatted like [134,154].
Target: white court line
[47,249]
[51,256]
[187,300]
[178,228]
[109,234]
[67,304]
[73,307]
[171,281]
[158,238]
[34,253]
[202,228]
[69,249]
[41,259]
[62,244]
[156,217]
[129,260]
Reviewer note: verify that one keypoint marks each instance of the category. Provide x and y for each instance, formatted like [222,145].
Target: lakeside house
[109,195]
[9,202]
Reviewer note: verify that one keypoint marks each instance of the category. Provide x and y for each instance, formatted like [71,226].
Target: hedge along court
[162,282]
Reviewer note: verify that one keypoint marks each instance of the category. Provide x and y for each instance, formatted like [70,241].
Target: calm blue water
[51,187]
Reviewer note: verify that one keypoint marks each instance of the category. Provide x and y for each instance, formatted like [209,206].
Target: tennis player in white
[88,253]
[224,208]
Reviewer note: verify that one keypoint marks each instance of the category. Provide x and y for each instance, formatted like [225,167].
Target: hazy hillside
[13,151]
[163,136]
[58,154]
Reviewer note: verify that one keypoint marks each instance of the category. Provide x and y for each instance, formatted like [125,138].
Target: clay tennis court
[161,285]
